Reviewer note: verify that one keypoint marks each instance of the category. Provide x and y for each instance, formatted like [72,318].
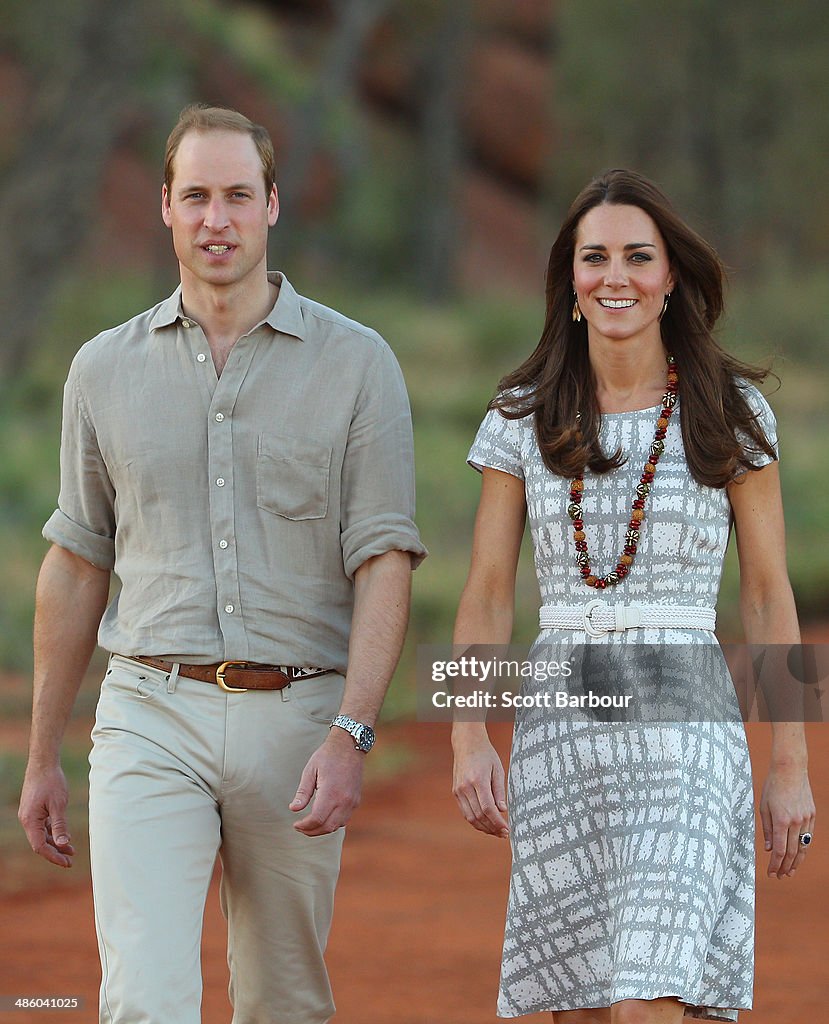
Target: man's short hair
[202,117]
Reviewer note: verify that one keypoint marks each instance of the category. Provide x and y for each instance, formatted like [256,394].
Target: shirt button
[229,609]
[222,544]
[186,323]
[220,482]
[201,357]
[220,417]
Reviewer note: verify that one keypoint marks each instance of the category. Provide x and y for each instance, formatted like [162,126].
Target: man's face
[217,209]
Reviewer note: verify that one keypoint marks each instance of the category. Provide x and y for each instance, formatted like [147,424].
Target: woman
[633,442]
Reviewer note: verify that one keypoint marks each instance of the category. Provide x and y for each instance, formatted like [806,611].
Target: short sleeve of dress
[497,445]
[765,420]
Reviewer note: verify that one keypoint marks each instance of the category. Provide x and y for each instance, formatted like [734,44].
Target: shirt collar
[168,311]
[285,317]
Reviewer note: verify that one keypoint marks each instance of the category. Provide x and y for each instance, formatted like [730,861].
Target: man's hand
[71,597]
[335,774]
[42,814]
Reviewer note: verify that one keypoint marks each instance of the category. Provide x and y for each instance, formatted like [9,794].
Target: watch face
[366,740]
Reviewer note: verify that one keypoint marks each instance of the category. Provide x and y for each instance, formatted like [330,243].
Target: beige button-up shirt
[235,510]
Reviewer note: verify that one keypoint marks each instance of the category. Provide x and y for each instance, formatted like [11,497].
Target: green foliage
[777,314]
[371,221]
[30,432]
[249,38]
[27,473]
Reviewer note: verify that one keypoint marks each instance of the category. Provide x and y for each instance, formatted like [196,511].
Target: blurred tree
[310,125]
[440,149]
[419,237]
[84,67]
[401,219]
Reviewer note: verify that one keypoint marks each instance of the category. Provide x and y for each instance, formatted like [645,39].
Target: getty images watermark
[624,682]
[494,671]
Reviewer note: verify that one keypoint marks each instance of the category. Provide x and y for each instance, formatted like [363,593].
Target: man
[242,458]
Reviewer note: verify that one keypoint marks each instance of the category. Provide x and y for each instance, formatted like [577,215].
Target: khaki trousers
[181,771]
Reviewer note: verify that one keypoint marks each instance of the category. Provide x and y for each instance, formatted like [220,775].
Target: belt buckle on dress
[220,676]
[588,610]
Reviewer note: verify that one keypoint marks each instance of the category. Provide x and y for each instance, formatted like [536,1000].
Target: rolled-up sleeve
[378,503]
[84,521]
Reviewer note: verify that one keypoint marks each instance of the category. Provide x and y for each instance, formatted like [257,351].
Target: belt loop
[628,616]
[172,678]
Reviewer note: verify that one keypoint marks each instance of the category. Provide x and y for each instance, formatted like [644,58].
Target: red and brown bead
[575,509]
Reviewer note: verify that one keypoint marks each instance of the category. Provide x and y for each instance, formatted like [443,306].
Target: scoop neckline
[632,412]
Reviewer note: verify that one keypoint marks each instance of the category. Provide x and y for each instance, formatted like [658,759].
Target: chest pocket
[292,476]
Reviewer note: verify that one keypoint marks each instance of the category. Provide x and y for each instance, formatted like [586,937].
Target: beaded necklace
[576,510]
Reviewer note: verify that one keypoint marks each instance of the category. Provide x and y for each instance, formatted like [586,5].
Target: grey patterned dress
[632,842]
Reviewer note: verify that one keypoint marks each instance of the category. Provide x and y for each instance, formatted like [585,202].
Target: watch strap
[363,735]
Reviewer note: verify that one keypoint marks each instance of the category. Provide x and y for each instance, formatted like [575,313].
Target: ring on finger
[805,838]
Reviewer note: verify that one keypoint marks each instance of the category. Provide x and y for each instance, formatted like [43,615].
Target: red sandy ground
[420,905]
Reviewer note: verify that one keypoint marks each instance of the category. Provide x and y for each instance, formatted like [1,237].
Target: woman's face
[621,272]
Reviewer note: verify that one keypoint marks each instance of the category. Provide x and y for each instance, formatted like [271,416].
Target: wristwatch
[363,734]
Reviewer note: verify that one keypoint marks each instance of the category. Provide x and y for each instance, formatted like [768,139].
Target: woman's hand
[478,782]
[485,617]
[787,810]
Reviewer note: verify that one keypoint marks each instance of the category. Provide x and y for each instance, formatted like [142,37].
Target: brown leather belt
[235,676]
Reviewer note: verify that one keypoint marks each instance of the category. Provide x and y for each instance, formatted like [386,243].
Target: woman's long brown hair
[556,383]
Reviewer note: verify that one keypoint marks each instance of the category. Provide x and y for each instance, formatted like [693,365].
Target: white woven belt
[597,617]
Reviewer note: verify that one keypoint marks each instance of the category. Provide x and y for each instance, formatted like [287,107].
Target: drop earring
[665,304]
[576,311]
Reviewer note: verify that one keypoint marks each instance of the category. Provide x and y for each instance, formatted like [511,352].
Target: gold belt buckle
[220,676]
